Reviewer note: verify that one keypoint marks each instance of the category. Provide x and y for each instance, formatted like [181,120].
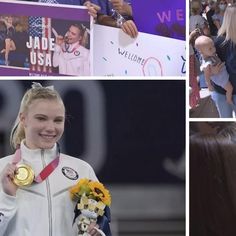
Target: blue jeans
[225,109]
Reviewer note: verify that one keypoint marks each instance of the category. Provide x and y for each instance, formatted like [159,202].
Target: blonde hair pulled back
[36,92]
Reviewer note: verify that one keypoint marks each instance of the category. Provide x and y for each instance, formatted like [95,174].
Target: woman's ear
[22,119]
[80,39]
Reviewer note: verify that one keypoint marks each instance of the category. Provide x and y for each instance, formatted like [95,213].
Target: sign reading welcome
[116,54]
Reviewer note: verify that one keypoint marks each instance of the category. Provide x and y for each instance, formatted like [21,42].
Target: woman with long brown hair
[212,178]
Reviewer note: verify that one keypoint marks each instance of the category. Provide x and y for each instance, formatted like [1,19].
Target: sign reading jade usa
[38,39]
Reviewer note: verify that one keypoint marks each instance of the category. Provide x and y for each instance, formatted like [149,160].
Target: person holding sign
[117,13]
[93,8]
[35,181]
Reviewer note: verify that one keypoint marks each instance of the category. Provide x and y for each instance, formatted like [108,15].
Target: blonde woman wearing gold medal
[34,196]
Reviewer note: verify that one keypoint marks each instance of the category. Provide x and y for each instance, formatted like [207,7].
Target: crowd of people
[213,19]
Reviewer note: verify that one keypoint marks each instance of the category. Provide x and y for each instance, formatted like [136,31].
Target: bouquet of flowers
[93,201]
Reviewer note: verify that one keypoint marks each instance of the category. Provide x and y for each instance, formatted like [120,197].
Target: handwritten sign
[116,54]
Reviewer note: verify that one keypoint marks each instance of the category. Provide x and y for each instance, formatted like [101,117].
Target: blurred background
[133,134]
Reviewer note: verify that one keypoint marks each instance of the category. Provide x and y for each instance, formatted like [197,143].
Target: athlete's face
[73,35]
[43,123]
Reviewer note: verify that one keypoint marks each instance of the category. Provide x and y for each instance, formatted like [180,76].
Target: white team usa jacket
[43,208]
[74,61]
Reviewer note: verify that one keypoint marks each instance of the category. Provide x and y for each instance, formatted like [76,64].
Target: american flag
[39,27]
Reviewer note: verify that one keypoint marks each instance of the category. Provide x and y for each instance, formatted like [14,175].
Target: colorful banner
[164,18]
[40,42]
[116,54]
[38,39]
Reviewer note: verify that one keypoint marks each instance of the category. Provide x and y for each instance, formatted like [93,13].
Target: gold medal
[24,175]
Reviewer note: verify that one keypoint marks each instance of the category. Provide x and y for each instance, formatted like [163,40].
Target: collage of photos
[94,121]
[212,117]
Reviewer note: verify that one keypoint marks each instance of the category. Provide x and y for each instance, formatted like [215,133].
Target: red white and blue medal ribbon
[46,171]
